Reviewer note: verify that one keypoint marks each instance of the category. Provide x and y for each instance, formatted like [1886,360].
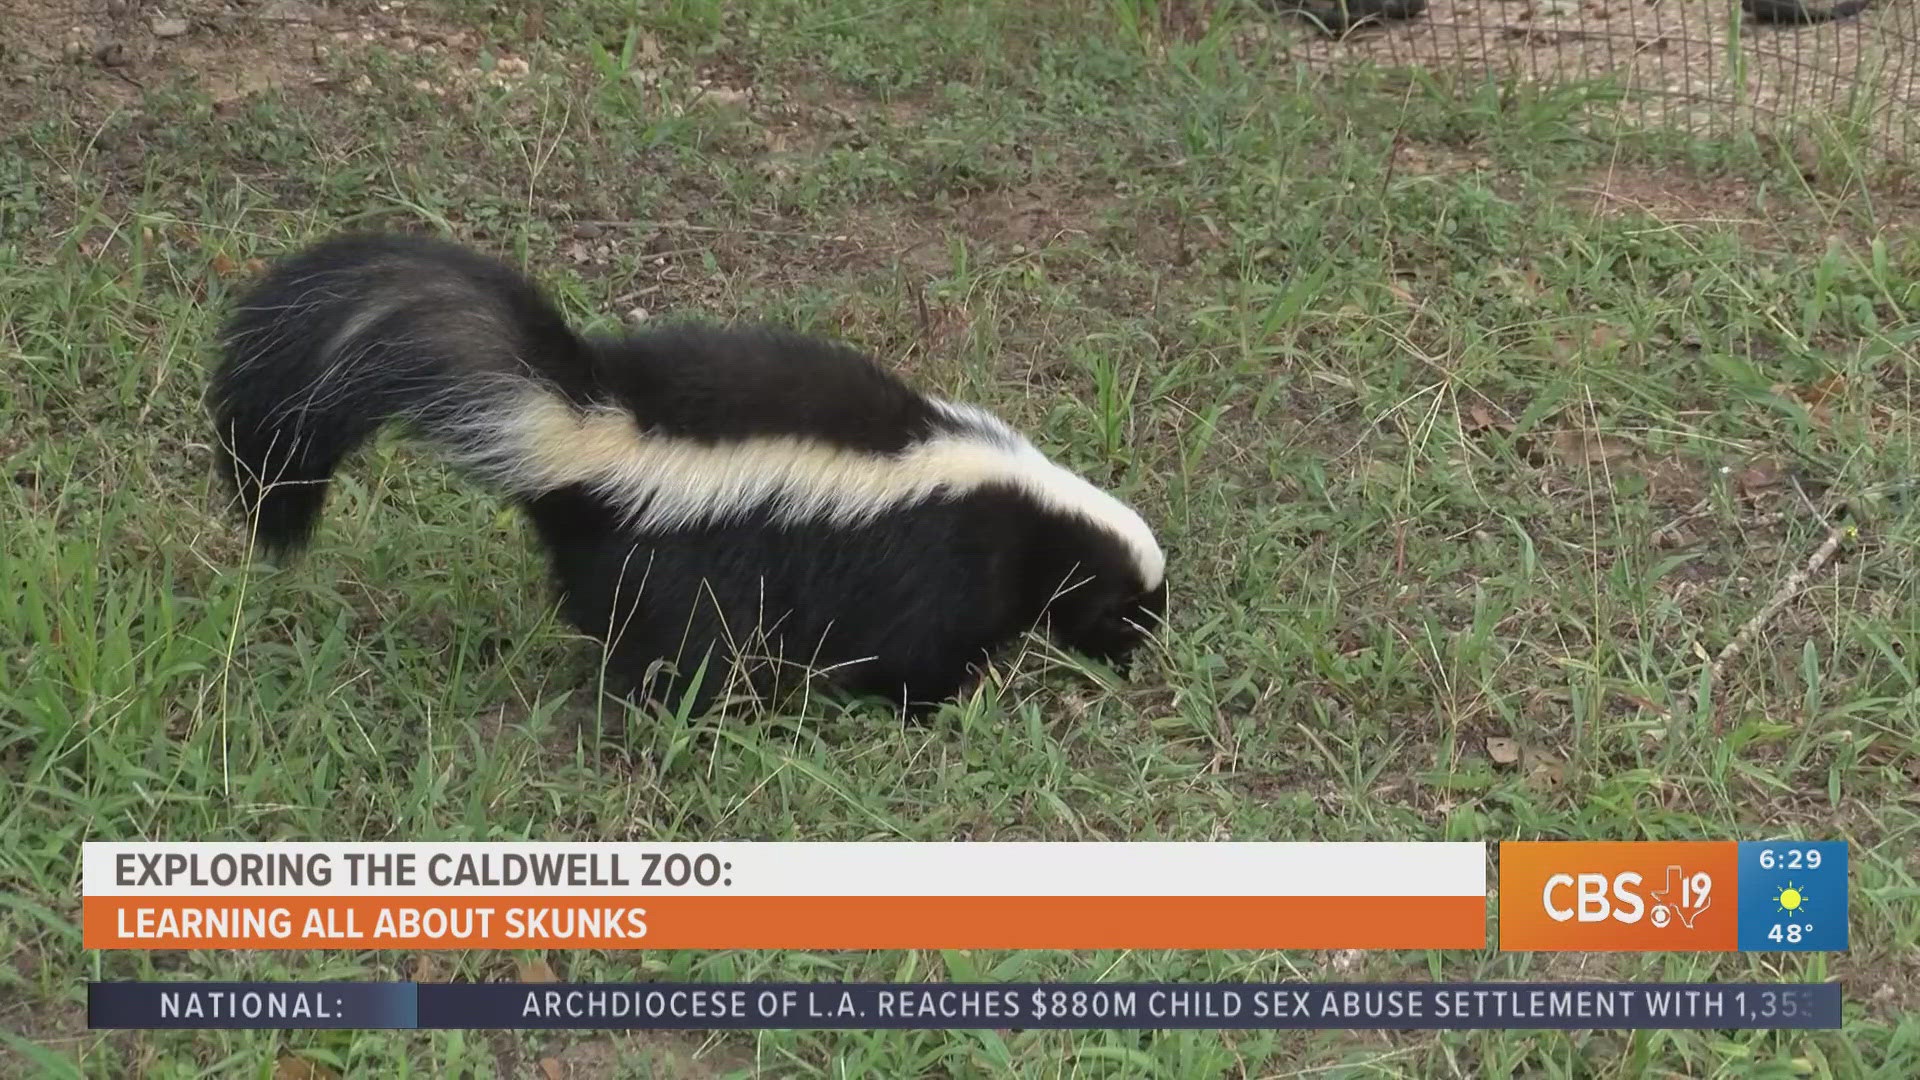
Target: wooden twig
[1836,535]
[925,316]
[721,230]
[1680,522]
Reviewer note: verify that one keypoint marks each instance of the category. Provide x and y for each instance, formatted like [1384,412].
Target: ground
[1476,438]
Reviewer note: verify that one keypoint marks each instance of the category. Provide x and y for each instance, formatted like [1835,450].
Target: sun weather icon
[1792,895]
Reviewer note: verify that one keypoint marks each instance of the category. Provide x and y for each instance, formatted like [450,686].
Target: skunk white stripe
[535,442]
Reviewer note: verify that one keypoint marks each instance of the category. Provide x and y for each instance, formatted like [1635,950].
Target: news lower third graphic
[1227,895]
[1679,896]
[1673,896]
[955,1006]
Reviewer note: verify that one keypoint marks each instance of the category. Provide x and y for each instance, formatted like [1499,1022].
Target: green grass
[1445,446]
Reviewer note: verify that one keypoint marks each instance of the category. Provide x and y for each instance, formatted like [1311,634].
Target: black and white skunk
[1795,13]
[705,495]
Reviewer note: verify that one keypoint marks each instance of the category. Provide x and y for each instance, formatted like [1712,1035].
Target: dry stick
[687,226]
[1788,588]
[1680,522]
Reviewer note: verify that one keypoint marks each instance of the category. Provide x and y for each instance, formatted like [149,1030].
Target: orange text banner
[1619,896]
[804,922]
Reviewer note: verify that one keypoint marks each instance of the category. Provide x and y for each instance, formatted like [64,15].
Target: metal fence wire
[1699,67]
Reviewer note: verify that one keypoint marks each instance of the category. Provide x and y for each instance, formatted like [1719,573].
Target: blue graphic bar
[1793,896]
[935,1006]
[240,1005]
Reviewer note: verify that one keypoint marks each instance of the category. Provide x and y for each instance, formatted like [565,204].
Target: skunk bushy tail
[362,330]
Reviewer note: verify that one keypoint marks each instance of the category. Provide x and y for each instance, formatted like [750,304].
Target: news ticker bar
[1678,896]
[954,1006]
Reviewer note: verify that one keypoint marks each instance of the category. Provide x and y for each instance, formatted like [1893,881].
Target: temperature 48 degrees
[1684,897]
[1791,933]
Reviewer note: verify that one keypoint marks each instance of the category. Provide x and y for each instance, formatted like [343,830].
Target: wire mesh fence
[1699,67]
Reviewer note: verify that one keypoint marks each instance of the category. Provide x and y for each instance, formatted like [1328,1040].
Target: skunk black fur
[749,497]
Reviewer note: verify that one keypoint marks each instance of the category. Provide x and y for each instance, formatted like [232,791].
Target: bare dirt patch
[1674,198]
[103,54]
[1670,196]
[1033,216]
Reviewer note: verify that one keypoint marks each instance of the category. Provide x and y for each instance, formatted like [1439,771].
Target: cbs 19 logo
[1592,898]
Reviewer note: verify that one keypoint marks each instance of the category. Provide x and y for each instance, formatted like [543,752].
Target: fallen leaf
[290,1067]
[537,971]
[426,969]
[1576,447]
[1819,392]
[1757,477]
[551,1068]
[1521,285]
[1382,475]
[1643,703]
[223,264]
[1481,417]
[1544,768]
[727,95]
[1816,397]
[1503,751]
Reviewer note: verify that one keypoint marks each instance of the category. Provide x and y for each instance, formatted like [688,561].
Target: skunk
[706,495]
[1337,18]
[1795,13]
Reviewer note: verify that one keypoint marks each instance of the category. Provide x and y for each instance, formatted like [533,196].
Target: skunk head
[1106,619]
[1103,577]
